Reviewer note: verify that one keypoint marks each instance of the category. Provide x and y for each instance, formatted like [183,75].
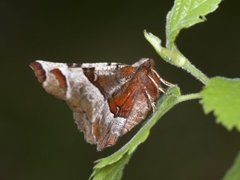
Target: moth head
[52,76]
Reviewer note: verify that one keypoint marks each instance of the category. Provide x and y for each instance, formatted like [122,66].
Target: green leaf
[234,172]
[111,167]
[112,171]
[222,96]
[186,13]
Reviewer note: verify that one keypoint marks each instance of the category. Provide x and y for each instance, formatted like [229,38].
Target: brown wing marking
[60,77]
[38,71]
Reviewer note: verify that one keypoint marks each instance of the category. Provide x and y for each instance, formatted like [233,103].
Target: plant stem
[189,67]
[174,57]
[188,97]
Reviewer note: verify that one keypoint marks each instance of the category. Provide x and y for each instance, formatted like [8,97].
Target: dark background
[38,137]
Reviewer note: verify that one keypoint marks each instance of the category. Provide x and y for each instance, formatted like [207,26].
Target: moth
[107,99]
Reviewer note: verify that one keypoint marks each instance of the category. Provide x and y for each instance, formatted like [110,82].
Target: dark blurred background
[38,137]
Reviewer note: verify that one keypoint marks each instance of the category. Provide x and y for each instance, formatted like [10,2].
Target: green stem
[174,57]
[188,97]
[195,72]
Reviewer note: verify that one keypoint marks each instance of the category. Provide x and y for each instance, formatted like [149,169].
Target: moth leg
[162,80]
[166,82]
[156,85]
[150,100]
[162,90]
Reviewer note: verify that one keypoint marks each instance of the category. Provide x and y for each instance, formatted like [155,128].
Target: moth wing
[107,77]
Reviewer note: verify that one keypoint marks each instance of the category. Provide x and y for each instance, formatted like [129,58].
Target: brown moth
[107,99]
